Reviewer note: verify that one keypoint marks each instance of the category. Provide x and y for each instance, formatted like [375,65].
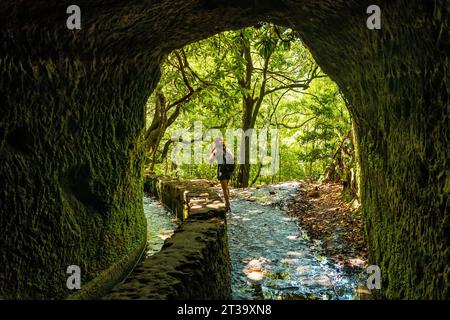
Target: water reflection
[271,256]
[161,224]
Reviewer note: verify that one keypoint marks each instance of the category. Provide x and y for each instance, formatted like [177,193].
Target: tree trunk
[243,175]
[157,128]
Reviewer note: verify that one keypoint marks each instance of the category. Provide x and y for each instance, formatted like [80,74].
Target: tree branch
[302,85]
[296,127]
[262,90]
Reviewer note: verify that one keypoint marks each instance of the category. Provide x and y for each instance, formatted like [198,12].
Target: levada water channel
[271,256]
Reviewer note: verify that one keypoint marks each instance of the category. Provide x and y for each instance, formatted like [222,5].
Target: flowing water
[272,257]
[160,224]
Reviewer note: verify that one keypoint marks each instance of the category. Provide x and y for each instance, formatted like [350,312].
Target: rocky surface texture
[185,198]
[194,263]
[328,217]
[73,114]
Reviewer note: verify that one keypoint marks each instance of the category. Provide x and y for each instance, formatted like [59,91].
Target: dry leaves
[327,217]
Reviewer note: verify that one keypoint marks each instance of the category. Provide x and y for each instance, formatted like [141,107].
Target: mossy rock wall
[185,198]
[195,262]
[70,170]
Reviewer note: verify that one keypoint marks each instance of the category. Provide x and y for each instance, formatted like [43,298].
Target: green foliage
[312,120]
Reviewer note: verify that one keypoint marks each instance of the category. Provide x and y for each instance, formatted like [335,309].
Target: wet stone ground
[272,257]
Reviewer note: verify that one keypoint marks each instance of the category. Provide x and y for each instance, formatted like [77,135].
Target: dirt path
[334,222]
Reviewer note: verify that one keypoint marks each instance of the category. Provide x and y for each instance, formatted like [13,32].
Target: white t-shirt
[219,156]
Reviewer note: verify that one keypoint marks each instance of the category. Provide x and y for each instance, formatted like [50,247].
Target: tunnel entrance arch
[71,157]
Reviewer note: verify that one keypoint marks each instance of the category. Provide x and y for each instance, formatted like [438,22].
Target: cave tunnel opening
[281,71]
[75,104]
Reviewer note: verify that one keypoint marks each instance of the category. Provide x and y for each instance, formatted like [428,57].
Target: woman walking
[225,167]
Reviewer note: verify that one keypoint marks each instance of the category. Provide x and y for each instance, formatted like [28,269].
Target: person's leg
[224,184]
[228,192]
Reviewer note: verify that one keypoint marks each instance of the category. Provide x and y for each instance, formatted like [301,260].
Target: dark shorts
[225,171]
